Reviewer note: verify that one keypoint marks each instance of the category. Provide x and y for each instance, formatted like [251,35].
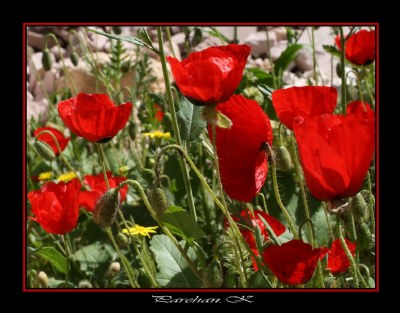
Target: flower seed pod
[44,150]
[114,269]
[47,62]
[283,159]
[74,58]
[106,208]
[42,279]
[364,239]
[360,207]
[254,93]
[85,284]
[213,275]
[158,200]
[133,130]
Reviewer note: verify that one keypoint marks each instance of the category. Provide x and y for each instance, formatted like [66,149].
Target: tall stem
[174,119]
[343,74]
[314,56]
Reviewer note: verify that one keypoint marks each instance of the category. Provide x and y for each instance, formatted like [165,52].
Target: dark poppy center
[104,140]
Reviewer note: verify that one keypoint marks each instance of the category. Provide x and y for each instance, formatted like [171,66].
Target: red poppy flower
[337,258]
[212,75]
[293,262]
[87,199]
[252,221]
[62,141]
[306,102]
[242,159]
[360,47]
[56,206]
[360,109]
[336,152]
[159,113]
[94,117]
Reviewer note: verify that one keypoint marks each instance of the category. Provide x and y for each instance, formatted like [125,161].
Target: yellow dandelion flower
[123,169]
[66,177]
[139,230]
[45,176]
[158,134]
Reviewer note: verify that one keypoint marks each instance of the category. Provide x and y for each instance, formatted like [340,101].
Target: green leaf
[190,120]
[91,256]
[173,209]
[257,280]
[266,90]
[181,224]
[332,50]
[130,39]
[54,257]
[286,58]
[174,272]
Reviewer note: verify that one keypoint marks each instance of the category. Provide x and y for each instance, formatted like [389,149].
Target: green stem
[314,56]
[302,189]
[161,223]
[371,203]
[270,60]
[68,257]
[170,41]
[103,164]
[264,202]
[327,220]
[174,119]
[342,65]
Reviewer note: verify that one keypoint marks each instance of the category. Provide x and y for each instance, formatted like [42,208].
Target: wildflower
[158,134]
[140,230]
[360,47]
[45,176]
[66,177]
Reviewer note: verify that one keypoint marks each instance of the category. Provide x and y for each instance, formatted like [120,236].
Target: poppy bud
[85,284]
[47,62]
[254,93]
[117,30]
[158,200]
[364,239]
[213,275]
[42,279]
[74,58]
[339,69]
[106,208]
[283,159]
[114,269]
[44,150]
[168,122]
[360,207]
[133,130]
[122,240]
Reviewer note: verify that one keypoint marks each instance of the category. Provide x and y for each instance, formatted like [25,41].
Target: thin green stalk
[68,257]
[174,119]
[327,221]
[170,41]
[342,65]
[103,164]
[371,203]
[161,223]
[314,56]
[264,202]
[302,189]
[270,60]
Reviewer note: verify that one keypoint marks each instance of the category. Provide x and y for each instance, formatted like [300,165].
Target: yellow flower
[158,134]
[66,177]
[139,230]
[123,169]
[45,176]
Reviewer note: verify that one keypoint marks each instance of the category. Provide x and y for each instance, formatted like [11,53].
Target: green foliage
[51,255]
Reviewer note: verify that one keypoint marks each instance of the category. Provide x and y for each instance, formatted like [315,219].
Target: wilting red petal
[212,75]
[62,141]
[360,47]
[94,117]
[338,42]
[87,199]
[242,160]
[293,262]
[56,206]
[336,152]
[305,102]
[337,258]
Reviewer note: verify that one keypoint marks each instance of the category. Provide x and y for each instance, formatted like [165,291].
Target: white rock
[242,32]
[277,50]
[98,42]
[47,83]
[179,39]
[36,108]
[36,40]
[280,33]
[304,60]
[258,42]
[56,52]
[35,68]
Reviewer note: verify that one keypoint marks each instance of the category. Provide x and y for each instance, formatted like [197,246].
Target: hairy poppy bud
[122,240]
[106,208]
[85,284]
[133,130]
[364,239]
[47,62]
[42,279]
[283,159]
[158,200]
[360,207]
[114,269]
[74,58]
[44,150]
[213,275]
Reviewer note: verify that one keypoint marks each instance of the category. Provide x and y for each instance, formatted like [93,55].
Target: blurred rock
[47,83]
[179,39]
[56,52]
[277,50]
[258,42]
[304,60]
[280,33]
[36,108]
[36,40]
[35,68]
[242,32]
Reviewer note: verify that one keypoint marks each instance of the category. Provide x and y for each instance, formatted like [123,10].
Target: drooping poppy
[240,148]
[251,221]
[360,109]
[94,116]
[360,47]
[62,140]
[337,258]
[305,102]
[87,199]
[211,75]
[293,262]
[56,206]
[335,152]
